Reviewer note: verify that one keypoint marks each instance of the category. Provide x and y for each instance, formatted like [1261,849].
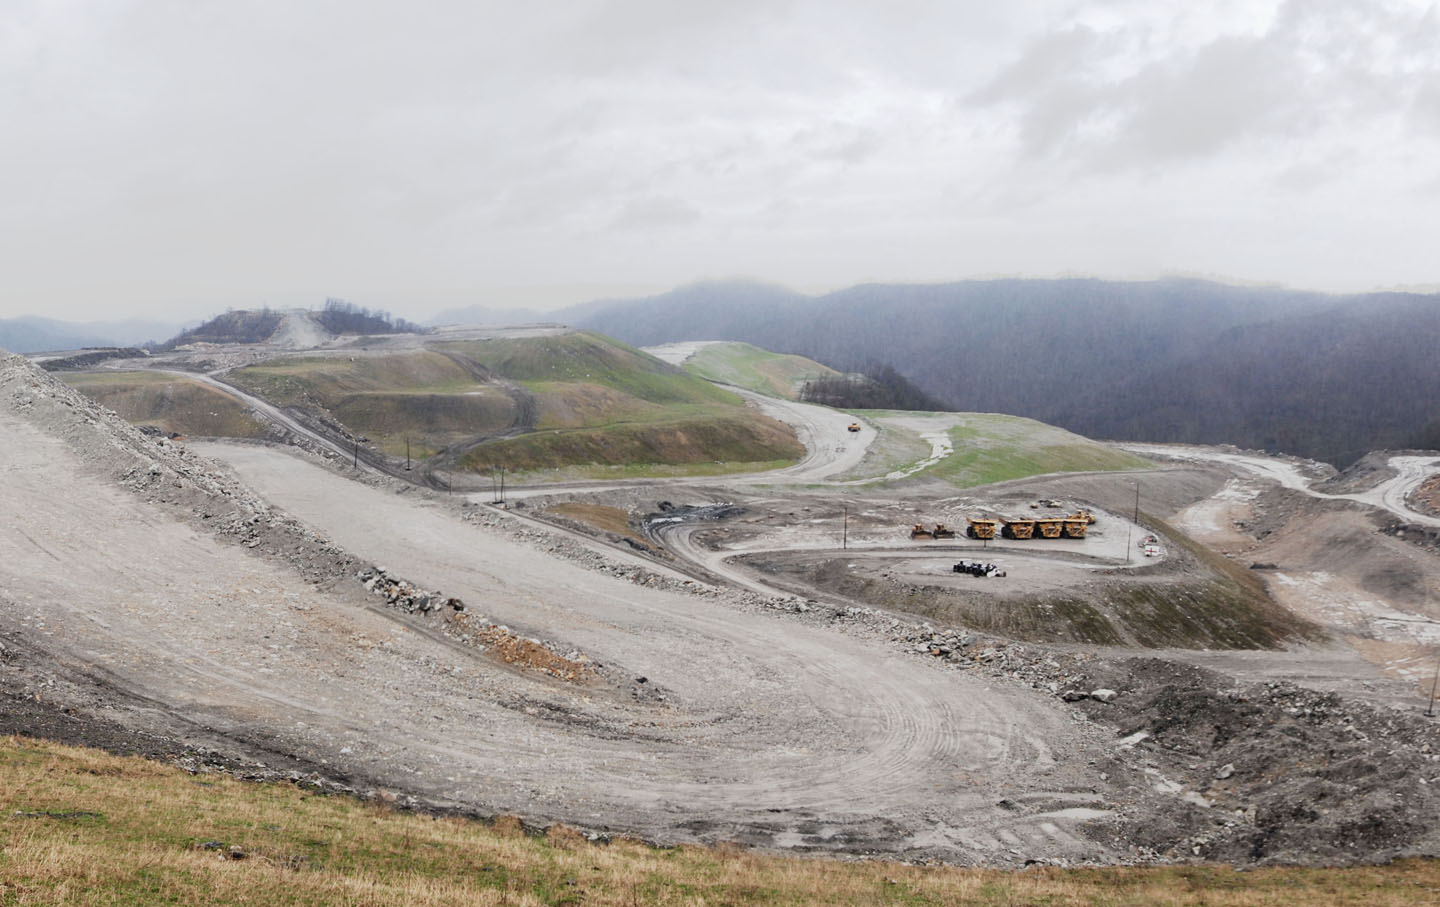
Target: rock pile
[523,652]
[404,596]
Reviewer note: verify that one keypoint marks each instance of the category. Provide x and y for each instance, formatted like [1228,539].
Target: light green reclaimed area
[756,369]
[986,448]
[582,357]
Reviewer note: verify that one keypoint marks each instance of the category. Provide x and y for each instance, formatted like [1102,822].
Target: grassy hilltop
[756,369]
[575,401]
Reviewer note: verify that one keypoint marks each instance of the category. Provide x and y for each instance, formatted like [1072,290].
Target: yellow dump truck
[1073,527]
[1018,529]
[981,529]
[1050,527]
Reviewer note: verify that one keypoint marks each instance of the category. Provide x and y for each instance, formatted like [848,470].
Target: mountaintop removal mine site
[1233,662]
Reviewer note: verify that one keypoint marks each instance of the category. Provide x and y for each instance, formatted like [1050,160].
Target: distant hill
[31,334]
[1329,377]
[295,329]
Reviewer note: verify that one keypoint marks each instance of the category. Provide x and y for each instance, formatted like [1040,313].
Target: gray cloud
[1119,100]
[656,212]
[165,154]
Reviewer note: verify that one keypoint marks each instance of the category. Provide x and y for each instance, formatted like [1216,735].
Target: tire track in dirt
[761,714]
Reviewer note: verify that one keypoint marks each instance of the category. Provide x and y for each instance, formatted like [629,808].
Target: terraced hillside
[171,403]
[567,401]
[421,397]
[603,406]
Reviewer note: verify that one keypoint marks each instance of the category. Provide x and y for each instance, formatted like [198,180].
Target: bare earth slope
[746,728]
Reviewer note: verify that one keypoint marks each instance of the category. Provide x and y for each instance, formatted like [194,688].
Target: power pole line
[1430,712]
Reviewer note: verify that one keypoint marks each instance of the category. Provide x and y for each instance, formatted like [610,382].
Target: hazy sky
[175,157]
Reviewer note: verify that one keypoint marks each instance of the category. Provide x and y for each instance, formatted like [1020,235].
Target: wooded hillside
[1323,376]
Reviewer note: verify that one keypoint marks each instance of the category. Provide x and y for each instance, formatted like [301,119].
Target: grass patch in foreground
[84,827]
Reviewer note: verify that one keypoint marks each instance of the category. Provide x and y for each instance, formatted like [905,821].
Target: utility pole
[1430,712]
[844,526]
[1135,522]
[355,463]
[407,454]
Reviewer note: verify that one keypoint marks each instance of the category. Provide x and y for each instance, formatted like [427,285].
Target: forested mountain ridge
[1323,376]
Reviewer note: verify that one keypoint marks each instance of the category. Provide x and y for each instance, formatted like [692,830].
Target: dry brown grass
[171,403]
[83,827]
[518,651]
[602,517]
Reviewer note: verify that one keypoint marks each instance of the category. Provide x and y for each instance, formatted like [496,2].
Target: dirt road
[1390,494]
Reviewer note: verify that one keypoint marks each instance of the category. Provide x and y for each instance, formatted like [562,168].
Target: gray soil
[231,617]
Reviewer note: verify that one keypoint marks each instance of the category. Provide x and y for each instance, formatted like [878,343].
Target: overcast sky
[176,157]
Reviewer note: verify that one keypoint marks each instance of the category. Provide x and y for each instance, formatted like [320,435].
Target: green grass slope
[551,402]
[585,358]
[704,443]
[421,398]
[168,402]
[756,369]
[986,448]
[80,826]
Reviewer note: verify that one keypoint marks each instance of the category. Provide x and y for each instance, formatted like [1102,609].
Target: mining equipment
[981,529]
[853,426]
[920,532]
[1073,527]
[944,532]
[1018,529]
[1049,527]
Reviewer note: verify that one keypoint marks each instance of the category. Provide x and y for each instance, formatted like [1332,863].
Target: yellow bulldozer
[941,531]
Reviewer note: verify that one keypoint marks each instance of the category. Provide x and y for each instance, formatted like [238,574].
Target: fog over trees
[1328,377]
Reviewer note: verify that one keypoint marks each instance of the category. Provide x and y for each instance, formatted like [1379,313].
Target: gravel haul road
[765,728]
